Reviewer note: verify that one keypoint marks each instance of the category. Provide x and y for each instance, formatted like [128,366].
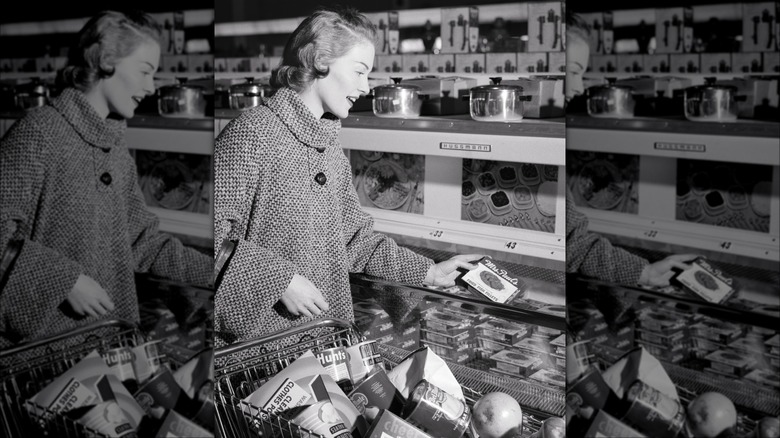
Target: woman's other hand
[303,298]
[88,297]
[445,273]
[660,272]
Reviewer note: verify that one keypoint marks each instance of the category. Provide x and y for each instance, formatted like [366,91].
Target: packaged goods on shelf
[730,362]
[492,345]
[672,355]
[504,331]
[444,323]
[516,363]
[458,355]
[666,323]
[717,331]
[764,377]
[443,339]
[560,344]
[549,377]
[459,30]
[758,35]
[669,340]
[674,30]
[545,22]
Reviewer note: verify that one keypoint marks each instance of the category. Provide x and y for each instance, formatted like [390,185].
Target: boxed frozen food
[672,339]
[159,394]
[389,425]
[549,377]
[488,344]
[493,281]
[375,394]
[707,281]
[764,377]
[673,354]
[503,331]
[717,331]
[459,355]
[666,323]
[732,362]
[516,363]
[452,341]
[444,323]
[320,417]
[108,419]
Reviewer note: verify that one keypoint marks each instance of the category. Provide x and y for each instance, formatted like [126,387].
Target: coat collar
[79,113]
[291,110]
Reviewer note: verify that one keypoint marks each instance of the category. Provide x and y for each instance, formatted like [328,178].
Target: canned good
[120,361]
[336,361]
[436,412]
[364,359]
[652,411]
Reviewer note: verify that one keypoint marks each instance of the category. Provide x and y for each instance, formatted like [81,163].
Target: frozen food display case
[488,346]
[663,186]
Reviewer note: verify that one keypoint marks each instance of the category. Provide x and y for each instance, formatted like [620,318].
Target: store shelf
[150,121]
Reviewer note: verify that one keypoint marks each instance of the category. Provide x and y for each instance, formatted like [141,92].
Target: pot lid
[388,87]
[489,88]
[611,87]
[712,87]
[180,86]
[249,87]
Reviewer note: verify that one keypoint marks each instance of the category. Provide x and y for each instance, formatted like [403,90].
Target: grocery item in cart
[375,394]
[497,415]
[177,426]
[493,281]
[709,415]
[302,373]
[159,394]
[605,425]
[437,412]
[424,364]
[109,419]
[120,362]
[653,412]
[389,425]
[364,359]
[335,361]
[146,361]
[320,417]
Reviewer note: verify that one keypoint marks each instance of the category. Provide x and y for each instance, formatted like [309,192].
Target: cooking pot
[497,103]
[611,101]
[397,100]
[712,102]
[32,95]
[249,94]
[181,100]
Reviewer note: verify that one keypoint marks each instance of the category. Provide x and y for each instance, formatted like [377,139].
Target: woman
[73,223]
[590,253]
[284,192]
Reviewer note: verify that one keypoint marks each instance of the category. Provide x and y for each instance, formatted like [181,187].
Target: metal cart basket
[26,369]
[243,367]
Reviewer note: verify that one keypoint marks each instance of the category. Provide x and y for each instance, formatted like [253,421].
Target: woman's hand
[303,298]
[660,272]
[88,297]
[445,273]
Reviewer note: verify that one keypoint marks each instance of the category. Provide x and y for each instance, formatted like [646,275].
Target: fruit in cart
[497,415]
[709,414]
[768,427]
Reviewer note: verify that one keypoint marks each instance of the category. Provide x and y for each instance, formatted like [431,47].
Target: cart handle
[106,323]
[320,323]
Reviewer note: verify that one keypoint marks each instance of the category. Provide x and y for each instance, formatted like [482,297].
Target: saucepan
[497,103]
[611,101]
[397,100]
[181,100]
[712,102]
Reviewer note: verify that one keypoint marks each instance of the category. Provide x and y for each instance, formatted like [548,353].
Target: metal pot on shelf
[248,94]
[497,103]
[712,102]
[181,100]
[611,101]
[397,100]
[31,95]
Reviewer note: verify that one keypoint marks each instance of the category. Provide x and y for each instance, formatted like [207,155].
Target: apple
[497,415]
[768,427]
[709,414]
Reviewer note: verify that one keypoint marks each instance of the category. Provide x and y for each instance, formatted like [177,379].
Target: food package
[146,361]
[377,393]
[706,281]
[159,394]
[635,365]
[176,426]
[389,425]
[107,418]
[300,379]
[492,281]
[424,364]
[320,418]
[94,375]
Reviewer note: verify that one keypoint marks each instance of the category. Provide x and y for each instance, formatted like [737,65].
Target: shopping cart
[237,375]
[26,369]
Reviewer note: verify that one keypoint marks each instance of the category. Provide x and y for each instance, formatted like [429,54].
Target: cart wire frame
[29,367]
[238,374]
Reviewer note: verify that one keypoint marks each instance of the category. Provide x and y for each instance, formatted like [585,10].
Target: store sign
[682,147]
[465,147]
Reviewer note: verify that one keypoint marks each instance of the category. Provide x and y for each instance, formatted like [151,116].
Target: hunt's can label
[652,411]
[436,412]
[120,361]
[336,361]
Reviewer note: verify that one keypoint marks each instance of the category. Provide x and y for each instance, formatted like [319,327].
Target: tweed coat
[593,255]
[69,190]
[284,192]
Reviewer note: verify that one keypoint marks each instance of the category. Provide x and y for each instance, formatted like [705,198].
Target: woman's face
[133,79]
[347,80]
[577,57]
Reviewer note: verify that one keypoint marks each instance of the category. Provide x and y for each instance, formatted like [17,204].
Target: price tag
[436,233]
[511,245]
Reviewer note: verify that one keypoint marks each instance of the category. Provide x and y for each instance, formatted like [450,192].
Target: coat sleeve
[40,278]
[593,255]
[155,251]
[255,277]
[371,252]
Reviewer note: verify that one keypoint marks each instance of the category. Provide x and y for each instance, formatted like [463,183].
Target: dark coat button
[321,179]
[106,150]
[320,150]
[106,178]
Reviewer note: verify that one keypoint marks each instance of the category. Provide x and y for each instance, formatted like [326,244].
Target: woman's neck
[312,101]
[98,101]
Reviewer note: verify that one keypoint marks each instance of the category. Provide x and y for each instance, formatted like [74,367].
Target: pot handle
[424,96]
[525,98]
